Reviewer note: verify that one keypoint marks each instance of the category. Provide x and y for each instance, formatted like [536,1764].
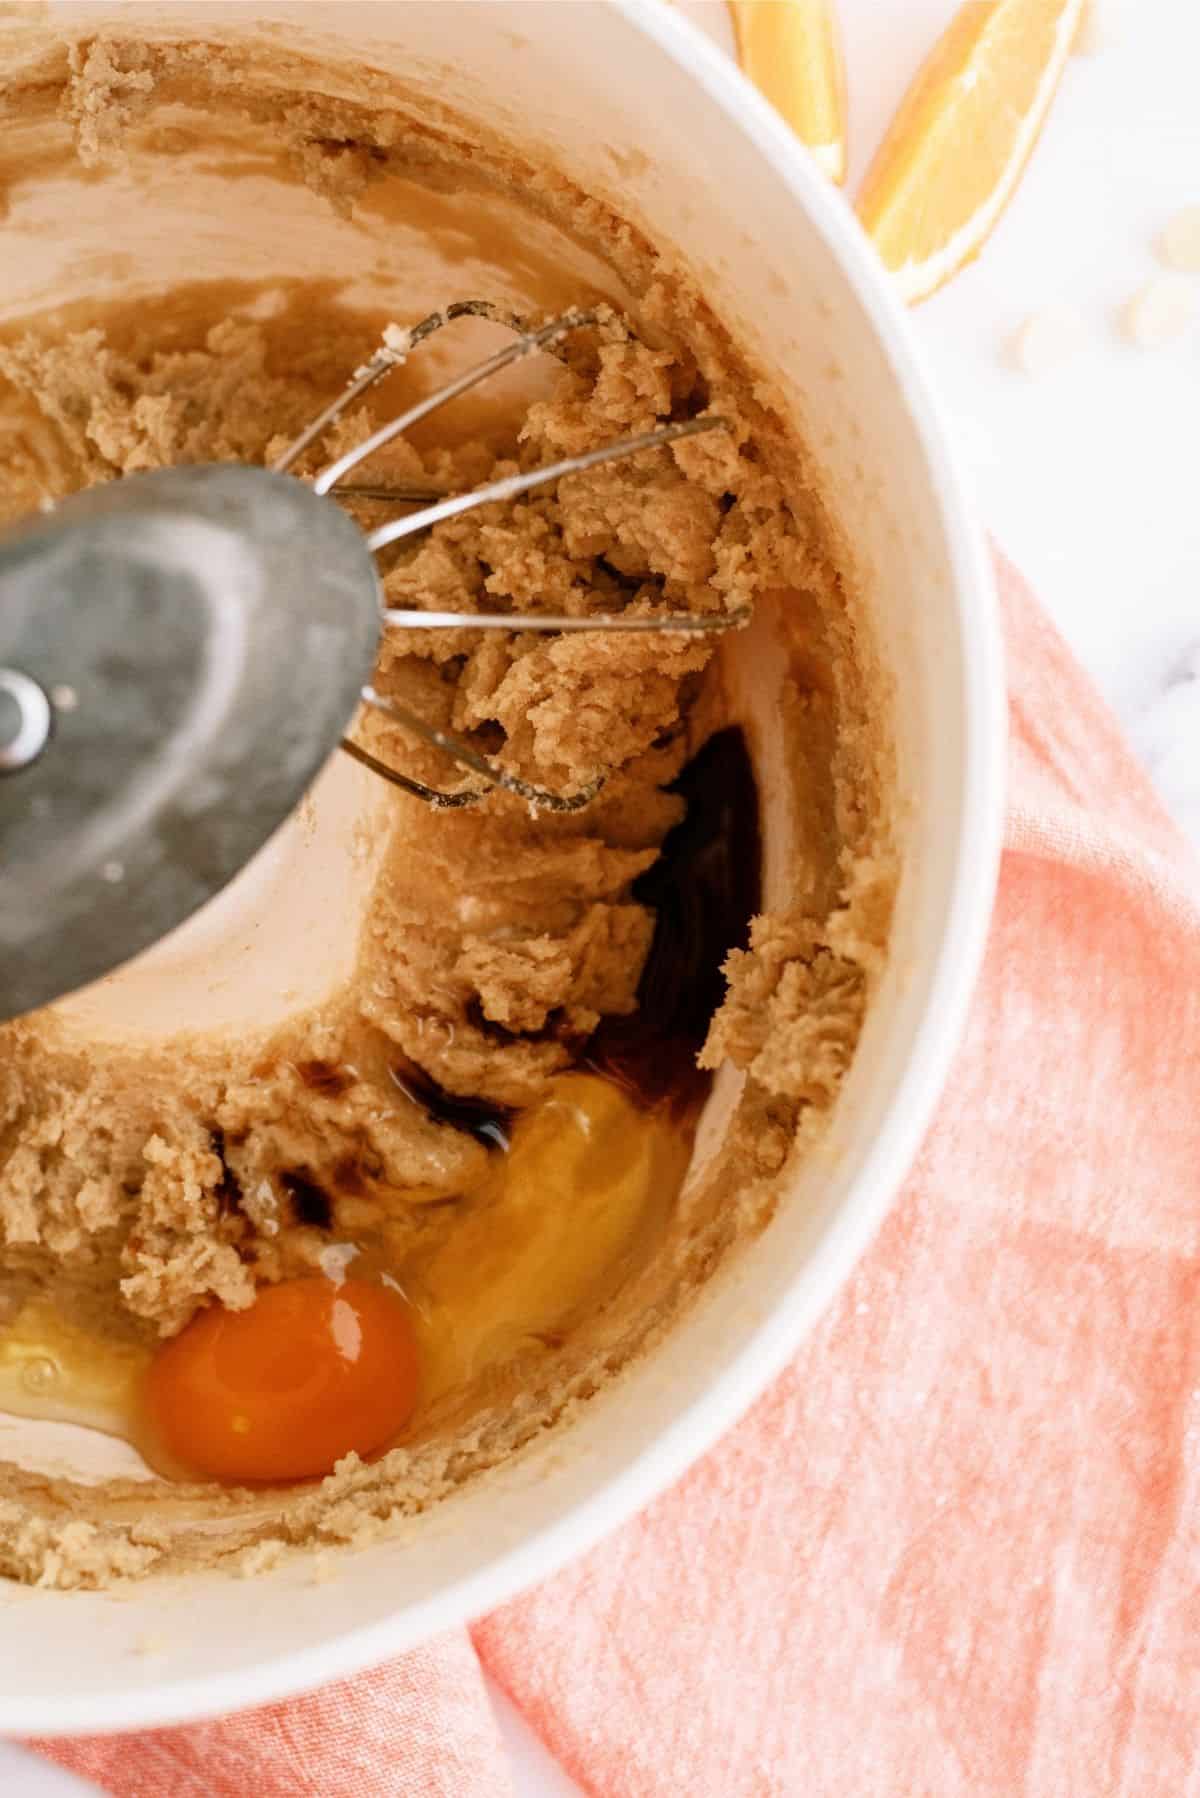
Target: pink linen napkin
[955,1549]
[421,1723]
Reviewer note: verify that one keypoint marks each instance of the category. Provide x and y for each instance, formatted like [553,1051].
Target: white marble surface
[1088,475]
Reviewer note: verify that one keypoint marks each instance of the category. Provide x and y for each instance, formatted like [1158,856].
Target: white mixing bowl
[634,104]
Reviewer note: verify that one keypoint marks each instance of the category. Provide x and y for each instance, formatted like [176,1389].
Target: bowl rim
[768,1347]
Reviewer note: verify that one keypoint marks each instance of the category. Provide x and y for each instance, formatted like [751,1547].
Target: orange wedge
[791,50]
[955,151]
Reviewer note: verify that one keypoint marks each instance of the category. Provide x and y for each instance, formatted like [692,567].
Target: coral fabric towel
[956,1548]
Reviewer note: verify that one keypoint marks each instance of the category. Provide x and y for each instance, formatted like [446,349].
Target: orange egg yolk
[283,1390]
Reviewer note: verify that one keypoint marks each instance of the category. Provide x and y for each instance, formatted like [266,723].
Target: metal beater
[181,651]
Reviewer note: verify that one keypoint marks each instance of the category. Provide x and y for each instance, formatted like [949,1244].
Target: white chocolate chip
[1159,311]
[1180,241]
[1048,338]
[1097,28]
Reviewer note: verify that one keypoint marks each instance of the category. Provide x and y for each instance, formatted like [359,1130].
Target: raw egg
[283,1390]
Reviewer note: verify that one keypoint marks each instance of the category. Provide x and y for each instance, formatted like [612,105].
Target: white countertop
[1087,475]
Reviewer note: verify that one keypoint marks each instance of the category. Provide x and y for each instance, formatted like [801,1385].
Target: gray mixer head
[180,653]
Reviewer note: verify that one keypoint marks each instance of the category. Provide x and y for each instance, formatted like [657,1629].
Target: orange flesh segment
[954,153]
[791,50]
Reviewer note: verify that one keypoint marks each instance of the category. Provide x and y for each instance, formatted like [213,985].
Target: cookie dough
[139,1184]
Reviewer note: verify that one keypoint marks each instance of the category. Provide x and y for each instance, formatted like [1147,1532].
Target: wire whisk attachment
[433,506]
